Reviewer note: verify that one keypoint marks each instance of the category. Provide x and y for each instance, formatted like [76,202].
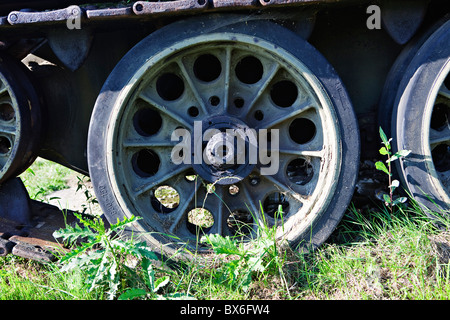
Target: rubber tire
[409,120]
[396,73]
[27,146]
[210,24]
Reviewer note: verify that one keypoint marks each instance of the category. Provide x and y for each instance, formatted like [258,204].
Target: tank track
[27,226]
[34,240]
[141,10]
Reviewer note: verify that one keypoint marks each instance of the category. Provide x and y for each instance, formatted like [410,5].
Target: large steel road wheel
[221,76]
[19,119]
[421,122]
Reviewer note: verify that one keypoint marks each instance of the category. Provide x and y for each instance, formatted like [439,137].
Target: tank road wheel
[19,120]
[182,114]
[421,123]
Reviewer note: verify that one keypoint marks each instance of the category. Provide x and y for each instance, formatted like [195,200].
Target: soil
[75,198]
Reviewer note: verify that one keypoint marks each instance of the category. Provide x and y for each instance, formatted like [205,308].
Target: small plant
[103,253]
[243,262]
[91,200]
[153,284]
[386,150]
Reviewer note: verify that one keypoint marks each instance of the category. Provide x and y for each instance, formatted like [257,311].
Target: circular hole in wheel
[302,130]
[207,67]
[193,111]
[300,171]
[249,70]
[240,222]
[169,86]
[199,220]
[273,203]
[284,93]
[147,122]
[7,112]
[239,103]
[145,163]
[5,145]
[259,115]
[165,199]
[214,101]
[190,176]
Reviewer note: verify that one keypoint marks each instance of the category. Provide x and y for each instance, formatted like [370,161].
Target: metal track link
[141,9]
[35,240]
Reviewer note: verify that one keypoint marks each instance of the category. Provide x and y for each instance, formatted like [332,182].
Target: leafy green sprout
[243,262]
[91,200]
[386,150]
[102,253]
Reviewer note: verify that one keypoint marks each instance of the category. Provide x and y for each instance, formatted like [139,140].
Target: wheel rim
[20,120]
[249,84]
[438,134]
[9,127]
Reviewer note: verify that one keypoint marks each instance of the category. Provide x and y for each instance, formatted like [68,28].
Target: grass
[373,254]
[22,279]
[398,256]
[44,177]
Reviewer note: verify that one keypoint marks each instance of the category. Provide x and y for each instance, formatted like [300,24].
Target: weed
[90,199]
[243,261]
[386,150]
[103,254]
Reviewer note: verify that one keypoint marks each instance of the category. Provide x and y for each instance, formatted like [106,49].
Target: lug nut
[254,181]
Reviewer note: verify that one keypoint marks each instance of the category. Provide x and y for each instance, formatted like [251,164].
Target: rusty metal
[292,2]
[6,247]
[33,252]
[234,3]
[144,7]
[109,12]
[35,240]
[8,6]
[22,17]
[138,9]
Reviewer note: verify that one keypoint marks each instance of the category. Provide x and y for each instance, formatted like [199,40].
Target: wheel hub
[220,150]
[225,151]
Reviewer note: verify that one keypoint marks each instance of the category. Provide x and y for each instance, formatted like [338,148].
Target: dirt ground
[73,199]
